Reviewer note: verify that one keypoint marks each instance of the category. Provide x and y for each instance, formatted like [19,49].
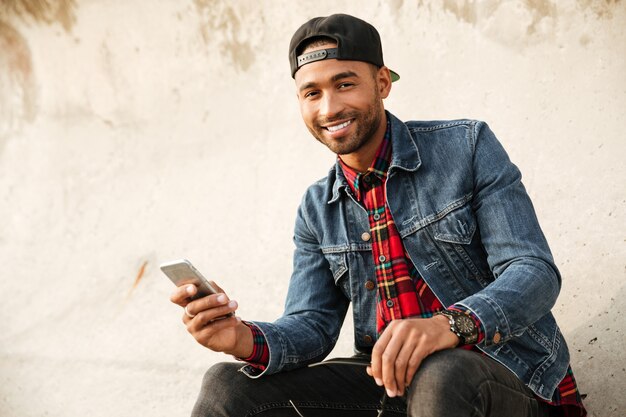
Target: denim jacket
[469,228]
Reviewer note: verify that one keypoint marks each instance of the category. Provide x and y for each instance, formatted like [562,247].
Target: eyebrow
[334,78]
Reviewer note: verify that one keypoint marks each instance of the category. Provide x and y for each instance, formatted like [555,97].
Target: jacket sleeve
[527,281]
[314,309]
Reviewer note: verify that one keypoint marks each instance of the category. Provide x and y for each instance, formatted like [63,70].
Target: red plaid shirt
[402,292]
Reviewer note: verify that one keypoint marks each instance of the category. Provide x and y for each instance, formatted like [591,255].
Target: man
[427,229]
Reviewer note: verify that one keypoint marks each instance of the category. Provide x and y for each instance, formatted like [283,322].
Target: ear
[383,81]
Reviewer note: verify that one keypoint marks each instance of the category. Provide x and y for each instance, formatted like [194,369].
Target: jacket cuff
[260,352]
[494,324]
[272,341]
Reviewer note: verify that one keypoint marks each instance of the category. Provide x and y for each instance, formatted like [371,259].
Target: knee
[218,390]
[445,379]
[220,376]
[449,366]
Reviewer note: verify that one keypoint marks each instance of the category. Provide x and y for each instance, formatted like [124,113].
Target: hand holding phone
[229,336]
[182,272]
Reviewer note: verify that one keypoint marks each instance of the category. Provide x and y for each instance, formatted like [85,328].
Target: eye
[345,85]
[311,94]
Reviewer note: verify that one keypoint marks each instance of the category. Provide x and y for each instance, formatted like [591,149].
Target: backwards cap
[356,40]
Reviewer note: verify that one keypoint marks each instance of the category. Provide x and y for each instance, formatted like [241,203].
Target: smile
[340,126]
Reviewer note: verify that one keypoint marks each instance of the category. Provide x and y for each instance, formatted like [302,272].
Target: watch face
[464,324]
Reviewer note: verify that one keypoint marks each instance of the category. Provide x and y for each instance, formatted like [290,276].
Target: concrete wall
[134,132]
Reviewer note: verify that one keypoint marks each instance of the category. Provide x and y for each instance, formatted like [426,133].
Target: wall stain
[514,24]
[584,40]
[17,83]
[41,11]
[470,11]
[520,23]
[540,9]
[140,275]
[603,9]
[222,26]
[395,4]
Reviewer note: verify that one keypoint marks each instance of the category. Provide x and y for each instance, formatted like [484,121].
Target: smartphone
[182,272]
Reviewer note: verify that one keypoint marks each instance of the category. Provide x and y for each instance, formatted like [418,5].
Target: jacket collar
[404,156]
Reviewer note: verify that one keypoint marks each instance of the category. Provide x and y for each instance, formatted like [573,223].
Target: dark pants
[450,383]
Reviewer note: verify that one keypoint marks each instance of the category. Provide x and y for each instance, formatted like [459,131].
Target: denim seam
[435,217]
[465,123]
[320,405]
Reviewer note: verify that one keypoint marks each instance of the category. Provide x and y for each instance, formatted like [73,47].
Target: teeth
[338,127]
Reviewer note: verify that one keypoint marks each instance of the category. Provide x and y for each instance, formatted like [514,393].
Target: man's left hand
[403,346]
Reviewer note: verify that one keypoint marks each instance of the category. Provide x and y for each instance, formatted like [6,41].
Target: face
[341,102]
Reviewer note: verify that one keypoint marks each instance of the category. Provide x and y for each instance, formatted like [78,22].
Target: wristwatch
[461,325]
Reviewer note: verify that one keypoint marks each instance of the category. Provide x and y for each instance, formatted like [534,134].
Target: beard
[366,124]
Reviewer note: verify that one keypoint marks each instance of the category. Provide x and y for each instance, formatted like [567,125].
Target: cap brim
[394,76]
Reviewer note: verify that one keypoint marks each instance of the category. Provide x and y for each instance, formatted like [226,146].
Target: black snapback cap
[356,40]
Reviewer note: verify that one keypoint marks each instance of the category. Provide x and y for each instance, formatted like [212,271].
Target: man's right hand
[208,326]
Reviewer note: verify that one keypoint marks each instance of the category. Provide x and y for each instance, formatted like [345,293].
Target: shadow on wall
[17,84]
[598,359]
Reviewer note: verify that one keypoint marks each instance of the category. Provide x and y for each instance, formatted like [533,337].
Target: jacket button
[365,236]
[497,337]
[368,339]
[370,285]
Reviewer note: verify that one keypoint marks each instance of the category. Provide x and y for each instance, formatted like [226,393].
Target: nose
[330,106]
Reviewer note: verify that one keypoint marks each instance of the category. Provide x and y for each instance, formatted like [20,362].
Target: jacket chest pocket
[338,264]
[457,227]
[457,236]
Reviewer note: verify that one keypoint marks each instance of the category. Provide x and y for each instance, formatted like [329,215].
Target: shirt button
[376,216]
[365,236]
[370,285]
[368,339]
[389,303]
[382,258]
[367,179]
[497,337]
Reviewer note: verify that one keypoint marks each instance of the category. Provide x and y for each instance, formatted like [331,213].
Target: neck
[363,158]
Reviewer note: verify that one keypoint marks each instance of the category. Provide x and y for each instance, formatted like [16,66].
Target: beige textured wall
[134,132]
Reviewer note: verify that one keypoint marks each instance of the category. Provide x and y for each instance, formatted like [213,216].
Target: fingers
[211,328]
[375,369]
[216,305]
[398,353]
[403,363]
[182,295]
[414,363]
[208,316]
[394,364]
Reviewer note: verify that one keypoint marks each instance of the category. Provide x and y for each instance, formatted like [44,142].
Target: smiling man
[426,228]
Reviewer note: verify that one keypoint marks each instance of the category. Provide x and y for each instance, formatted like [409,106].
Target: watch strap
[464,338]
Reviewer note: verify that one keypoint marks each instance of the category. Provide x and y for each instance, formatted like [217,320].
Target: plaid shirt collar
[405,156]
[378,168]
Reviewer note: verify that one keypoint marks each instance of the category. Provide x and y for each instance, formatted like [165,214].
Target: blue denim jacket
[469,228]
